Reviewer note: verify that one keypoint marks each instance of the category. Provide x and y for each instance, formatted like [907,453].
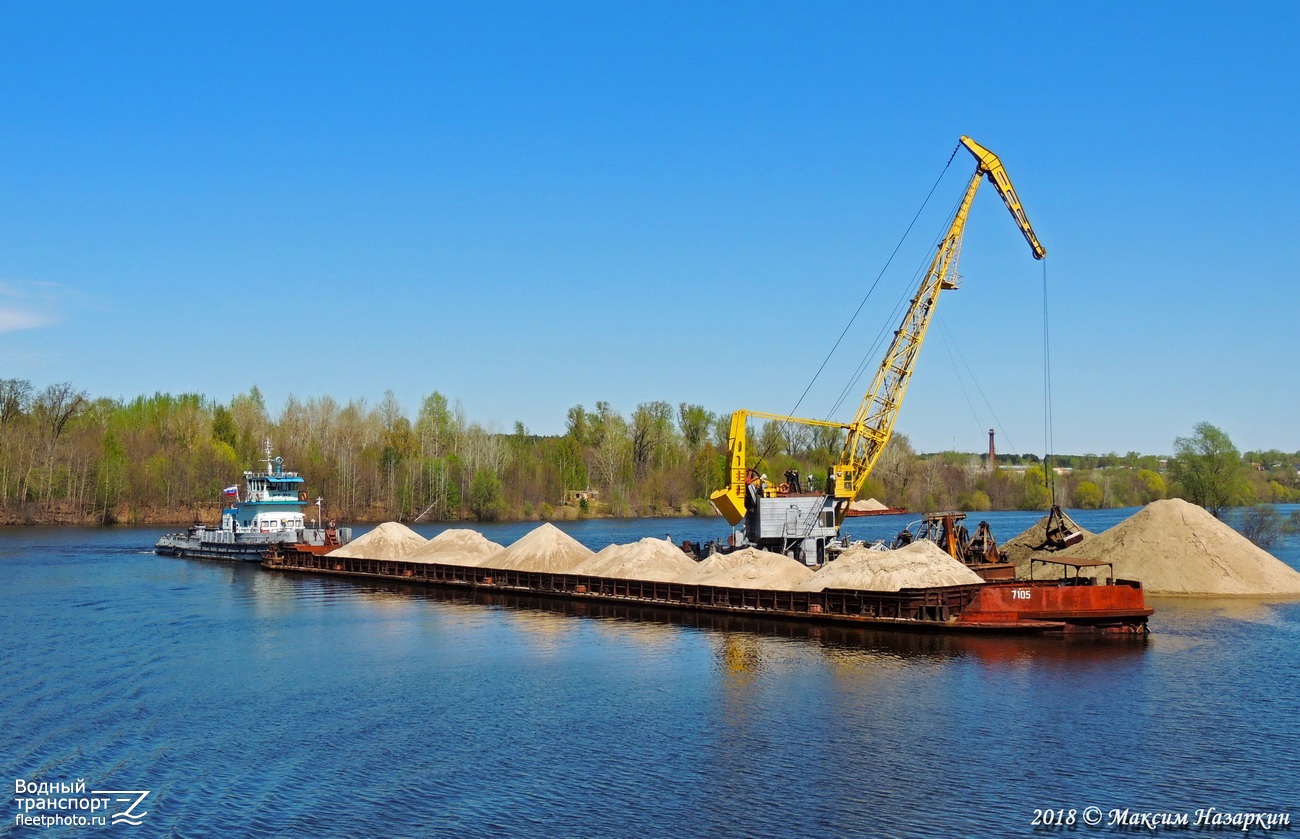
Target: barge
[1035,607]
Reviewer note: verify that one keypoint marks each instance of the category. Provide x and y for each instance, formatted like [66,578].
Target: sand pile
[390,540]
[749,568]
[1020,549]
[868,505]
[457,546]
[545,548]
[1174,547]
[921,564]
[649,559]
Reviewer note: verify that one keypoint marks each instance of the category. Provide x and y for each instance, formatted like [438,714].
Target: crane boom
[873,423]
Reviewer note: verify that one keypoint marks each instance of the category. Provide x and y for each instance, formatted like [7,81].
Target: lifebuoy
[302,496]
[783,488]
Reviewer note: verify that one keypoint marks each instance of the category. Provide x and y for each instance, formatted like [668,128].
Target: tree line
[68,457]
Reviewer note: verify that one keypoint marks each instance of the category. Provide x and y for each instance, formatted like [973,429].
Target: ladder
[795,535]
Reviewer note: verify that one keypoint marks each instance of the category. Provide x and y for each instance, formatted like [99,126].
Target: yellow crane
[801,524]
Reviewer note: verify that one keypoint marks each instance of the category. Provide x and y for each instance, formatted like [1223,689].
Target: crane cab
[798,525]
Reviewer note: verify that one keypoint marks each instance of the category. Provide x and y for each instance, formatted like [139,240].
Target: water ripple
[258,704]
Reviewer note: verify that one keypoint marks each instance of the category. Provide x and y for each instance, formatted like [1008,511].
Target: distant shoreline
[159,518]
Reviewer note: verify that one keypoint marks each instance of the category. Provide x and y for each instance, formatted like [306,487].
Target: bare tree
[15,398]
[609,457]
[58,404]
[54,408]
[652,425]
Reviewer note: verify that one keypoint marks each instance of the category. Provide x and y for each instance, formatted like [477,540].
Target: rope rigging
[763,455]
[950,342]
[1049,441]
[869,358]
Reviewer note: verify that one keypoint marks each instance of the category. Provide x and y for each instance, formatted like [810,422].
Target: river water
[253,703]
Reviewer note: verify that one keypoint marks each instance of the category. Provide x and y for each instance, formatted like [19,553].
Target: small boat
[269,514]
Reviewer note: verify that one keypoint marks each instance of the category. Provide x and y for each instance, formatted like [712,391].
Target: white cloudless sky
[530,206]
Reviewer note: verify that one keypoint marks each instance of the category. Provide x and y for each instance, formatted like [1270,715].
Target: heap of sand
[457,546]
[545,548]
[390,540]
[649,559]
[921,564]
[749,568]
[868,505]
[1027,546]
[1174,547]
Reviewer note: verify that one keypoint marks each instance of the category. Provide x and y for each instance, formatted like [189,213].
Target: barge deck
[1005,608]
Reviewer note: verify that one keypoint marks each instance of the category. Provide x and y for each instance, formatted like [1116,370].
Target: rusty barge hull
[999,608]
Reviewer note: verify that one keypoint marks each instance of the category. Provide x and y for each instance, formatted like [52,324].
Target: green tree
[1087,495]
[1034,494]
[577,425]
[1208,469]
[976,501]
[1279,494]
[111,470]
[249,414]
[708,470]
[435,426]
[694,422]
[1153,486]
[485,496]
[223,426]
[771,441]
[565,455]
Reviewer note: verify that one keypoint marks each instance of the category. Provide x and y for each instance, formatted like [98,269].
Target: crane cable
[953,346]
[868,361]
[1049,441]
[947,345]
[763,455]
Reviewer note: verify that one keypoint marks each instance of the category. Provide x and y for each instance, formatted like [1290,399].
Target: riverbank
[32,514]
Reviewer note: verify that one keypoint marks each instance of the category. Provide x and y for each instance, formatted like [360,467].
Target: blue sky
[531,206]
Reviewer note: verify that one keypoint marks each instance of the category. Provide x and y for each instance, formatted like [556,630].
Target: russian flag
[230,491]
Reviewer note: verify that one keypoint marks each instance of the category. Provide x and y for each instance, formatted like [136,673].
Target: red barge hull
[1037,607]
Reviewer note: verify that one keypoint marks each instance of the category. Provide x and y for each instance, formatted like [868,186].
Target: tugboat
[269,514]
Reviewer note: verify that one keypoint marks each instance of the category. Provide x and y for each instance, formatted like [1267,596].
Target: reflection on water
[542,615]
[1180,610]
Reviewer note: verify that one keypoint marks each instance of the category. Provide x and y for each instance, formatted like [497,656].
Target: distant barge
[886,511]
[1038,607]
